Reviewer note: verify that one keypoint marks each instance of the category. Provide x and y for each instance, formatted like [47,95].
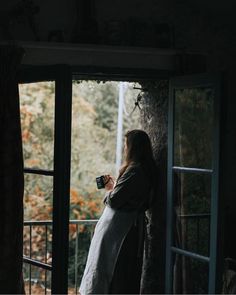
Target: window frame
[62,76]
[185,82]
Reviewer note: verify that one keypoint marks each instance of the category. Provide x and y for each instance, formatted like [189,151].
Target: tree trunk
[154,115]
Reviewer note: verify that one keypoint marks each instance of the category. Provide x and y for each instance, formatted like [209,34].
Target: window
[193,159]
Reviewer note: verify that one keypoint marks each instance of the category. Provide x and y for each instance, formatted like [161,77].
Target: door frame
[62,76]
[184,82]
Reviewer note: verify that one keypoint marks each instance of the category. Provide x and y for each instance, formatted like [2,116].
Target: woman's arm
[128,185]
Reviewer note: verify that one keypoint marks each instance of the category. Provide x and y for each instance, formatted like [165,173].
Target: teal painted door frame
[194,82]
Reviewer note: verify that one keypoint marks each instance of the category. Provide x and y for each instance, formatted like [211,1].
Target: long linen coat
[125,206]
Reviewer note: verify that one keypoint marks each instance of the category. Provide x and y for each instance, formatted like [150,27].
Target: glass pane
[36,280]
[190,275]
[38,197]
[193,127]
[38,210]
[40,247]
[37,123]
[192,195]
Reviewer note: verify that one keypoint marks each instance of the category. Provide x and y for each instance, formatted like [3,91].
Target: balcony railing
[37,254]
[38,237]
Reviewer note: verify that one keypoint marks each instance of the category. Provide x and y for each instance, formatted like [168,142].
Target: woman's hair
[139,150]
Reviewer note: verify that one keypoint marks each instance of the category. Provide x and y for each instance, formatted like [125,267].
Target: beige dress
[125,207]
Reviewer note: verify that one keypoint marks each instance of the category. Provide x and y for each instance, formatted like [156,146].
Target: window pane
[193,127]
[38,197]
[192,195]
[40,247]
[37,123]
[38,208]
[40,280]
[190,275]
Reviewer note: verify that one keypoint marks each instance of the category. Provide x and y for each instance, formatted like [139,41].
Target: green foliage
[37,123]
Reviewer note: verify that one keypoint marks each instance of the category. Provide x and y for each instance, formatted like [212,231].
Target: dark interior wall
[228,172]
[130,19]
[197,24]
[52,15]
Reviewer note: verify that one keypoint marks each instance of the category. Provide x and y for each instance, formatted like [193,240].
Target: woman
[115,256]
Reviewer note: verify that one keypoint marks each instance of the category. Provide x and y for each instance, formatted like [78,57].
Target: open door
[47,172]
[193,185]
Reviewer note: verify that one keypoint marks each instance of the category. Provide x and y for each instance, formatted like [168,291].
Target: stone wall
[154,121]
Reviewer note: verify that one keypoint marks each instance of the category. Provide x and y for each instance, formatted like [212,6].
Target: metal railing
[44,263]
[33,242]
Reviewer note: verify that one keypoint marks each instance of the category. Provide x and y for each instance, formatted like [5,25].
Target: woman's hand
[109,182]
